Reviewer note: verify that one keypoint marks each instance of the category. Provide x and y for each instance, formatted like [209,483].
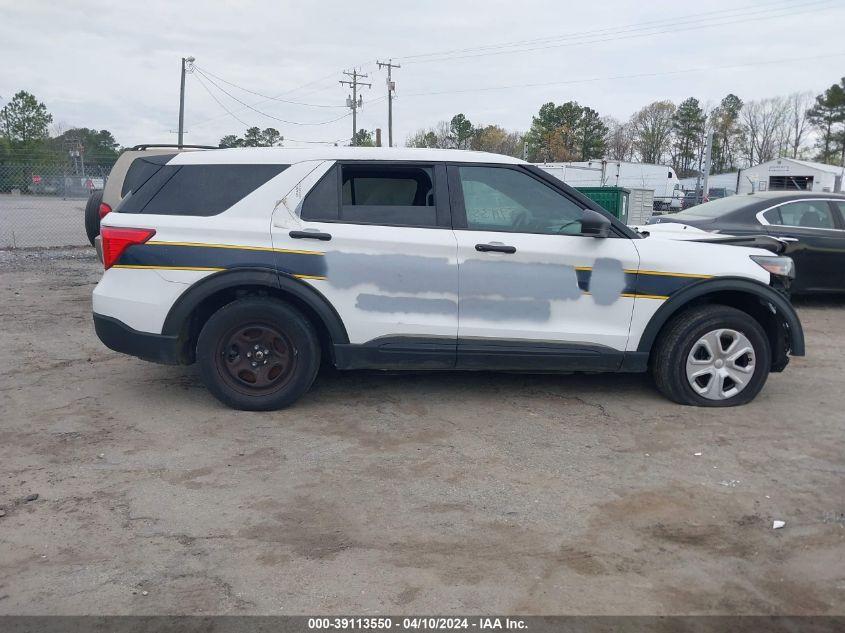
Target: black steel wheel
[258,354]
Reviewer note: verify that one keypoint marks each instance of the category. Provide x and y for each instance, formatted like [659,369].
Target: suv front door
[534,292]
[389,264]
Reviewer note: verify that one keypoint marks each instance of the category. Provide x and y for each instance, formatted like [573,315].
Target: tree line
[796,126]
[30,143]
[27,134]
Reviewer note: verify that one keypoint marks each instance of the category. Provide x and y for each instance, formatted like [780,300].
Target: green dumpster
[612,199]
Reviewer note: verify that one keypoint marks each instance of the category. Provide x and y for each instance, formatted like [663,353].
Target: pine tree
[726,133]
[593,132]
[826,115]
[688,127]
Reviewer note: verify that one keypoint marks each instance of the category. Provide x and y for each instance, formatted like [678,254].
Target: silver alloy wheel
[720,364]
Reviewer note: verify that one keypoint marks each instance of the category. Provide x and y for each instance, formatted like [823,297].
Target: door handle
[495,248]
[310,235]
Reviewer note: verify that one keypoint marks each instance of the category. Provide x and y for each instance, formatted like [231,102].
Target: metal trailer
[661,179]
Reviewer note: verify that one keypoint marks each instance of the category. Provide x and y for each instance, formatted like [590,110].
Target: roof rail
[173,145]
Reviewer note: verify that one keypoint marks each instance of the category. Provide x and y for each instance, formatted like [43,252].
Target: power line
[287,92]
[245,124]
[661,21]
[269,116]
[220,103]
[622,33]
[671,23]
[616,77]
[269,98]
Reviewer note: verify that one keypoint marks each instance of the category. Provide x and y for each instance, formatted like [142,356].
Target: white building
[780,174]
[789,174]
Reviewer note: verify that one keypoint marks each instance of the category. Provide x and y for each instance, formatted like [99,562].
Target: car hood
[671,230]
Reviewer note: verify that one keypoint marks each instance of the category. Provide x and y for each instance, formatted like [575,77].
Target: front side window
[392,195]
[811,214]
[508,200]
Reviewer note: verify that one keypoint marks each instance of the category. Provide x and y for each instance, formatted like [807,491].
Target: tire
[92,215]
[683,351]
[232,352]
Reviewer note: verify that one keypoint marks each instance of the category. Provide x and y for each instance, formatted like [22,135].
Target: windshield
[716,208]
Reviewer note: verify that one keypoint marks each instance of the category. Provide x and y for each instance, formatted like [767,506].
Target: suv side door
[818,252]
[389,259]
[535,293]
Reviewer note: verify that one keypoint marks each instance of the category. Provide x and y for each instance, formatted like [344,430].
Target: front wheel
[711,356]
[258,354]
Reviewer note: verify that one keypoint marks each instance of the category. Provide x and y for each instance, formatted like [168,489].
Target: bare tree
[799,106]
[439,136]
[619,140]
[764,122]
[652,128]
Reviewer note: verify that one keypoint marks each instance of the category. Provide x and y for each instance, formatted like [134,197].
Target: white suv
[262,263]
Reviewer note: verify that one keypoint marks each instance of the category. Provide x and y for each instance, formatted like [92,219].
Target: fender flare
[766,294]
[184,306]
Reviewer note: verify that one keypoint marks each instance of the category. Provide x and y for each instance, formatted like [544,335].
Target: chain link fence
[42,204]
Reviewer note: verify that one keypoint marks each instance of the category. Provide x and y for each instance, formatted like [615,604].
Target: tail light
[117,239]
[104,210]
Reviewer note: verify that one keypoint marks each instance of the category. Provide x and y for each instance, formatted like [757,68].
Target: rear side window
[199,190]
[141,170]
[390,195]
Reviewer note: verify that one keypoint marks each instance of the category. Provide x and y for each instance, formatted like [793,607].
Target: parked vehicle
[813,224]
[607,173]
[691,198]
[128,172]
[260,263]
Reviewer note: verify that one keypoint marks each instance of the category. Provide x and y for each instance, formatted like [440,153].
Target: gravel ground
[414,493]
[42,221]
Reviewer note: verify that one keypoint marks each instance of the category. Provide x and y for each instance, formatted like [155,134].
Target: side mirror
[594,224]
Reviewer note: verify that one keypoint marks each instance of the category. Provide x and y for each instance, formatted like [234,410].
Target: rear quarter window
[141,170]
[198,190]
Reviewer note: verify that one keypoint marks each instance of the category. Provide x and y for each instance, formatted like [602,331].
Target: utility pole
[355,101]
[708,150]
[391,88]
[185,60]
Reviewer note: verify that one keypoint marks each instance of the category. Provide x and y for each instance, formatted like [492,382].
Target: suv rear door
[535,293]
[390,258]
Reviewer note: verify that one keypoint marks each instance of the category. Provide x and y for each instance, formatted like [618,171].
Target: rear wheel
[711,356]
[258,354]
[92,215]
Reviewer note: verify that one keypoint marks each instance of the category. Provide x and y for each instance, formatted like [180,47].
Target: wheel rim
[720,364]
[256,359]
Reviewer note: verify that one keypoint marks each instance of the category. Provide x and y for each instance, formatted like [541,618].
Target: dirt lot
[404,493]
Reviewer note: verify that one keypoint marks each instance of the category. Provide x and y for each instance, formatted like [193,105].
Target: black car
[812,223]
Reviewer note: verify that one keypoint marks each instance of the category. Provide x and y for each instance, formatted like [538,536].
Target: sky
[116,65]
